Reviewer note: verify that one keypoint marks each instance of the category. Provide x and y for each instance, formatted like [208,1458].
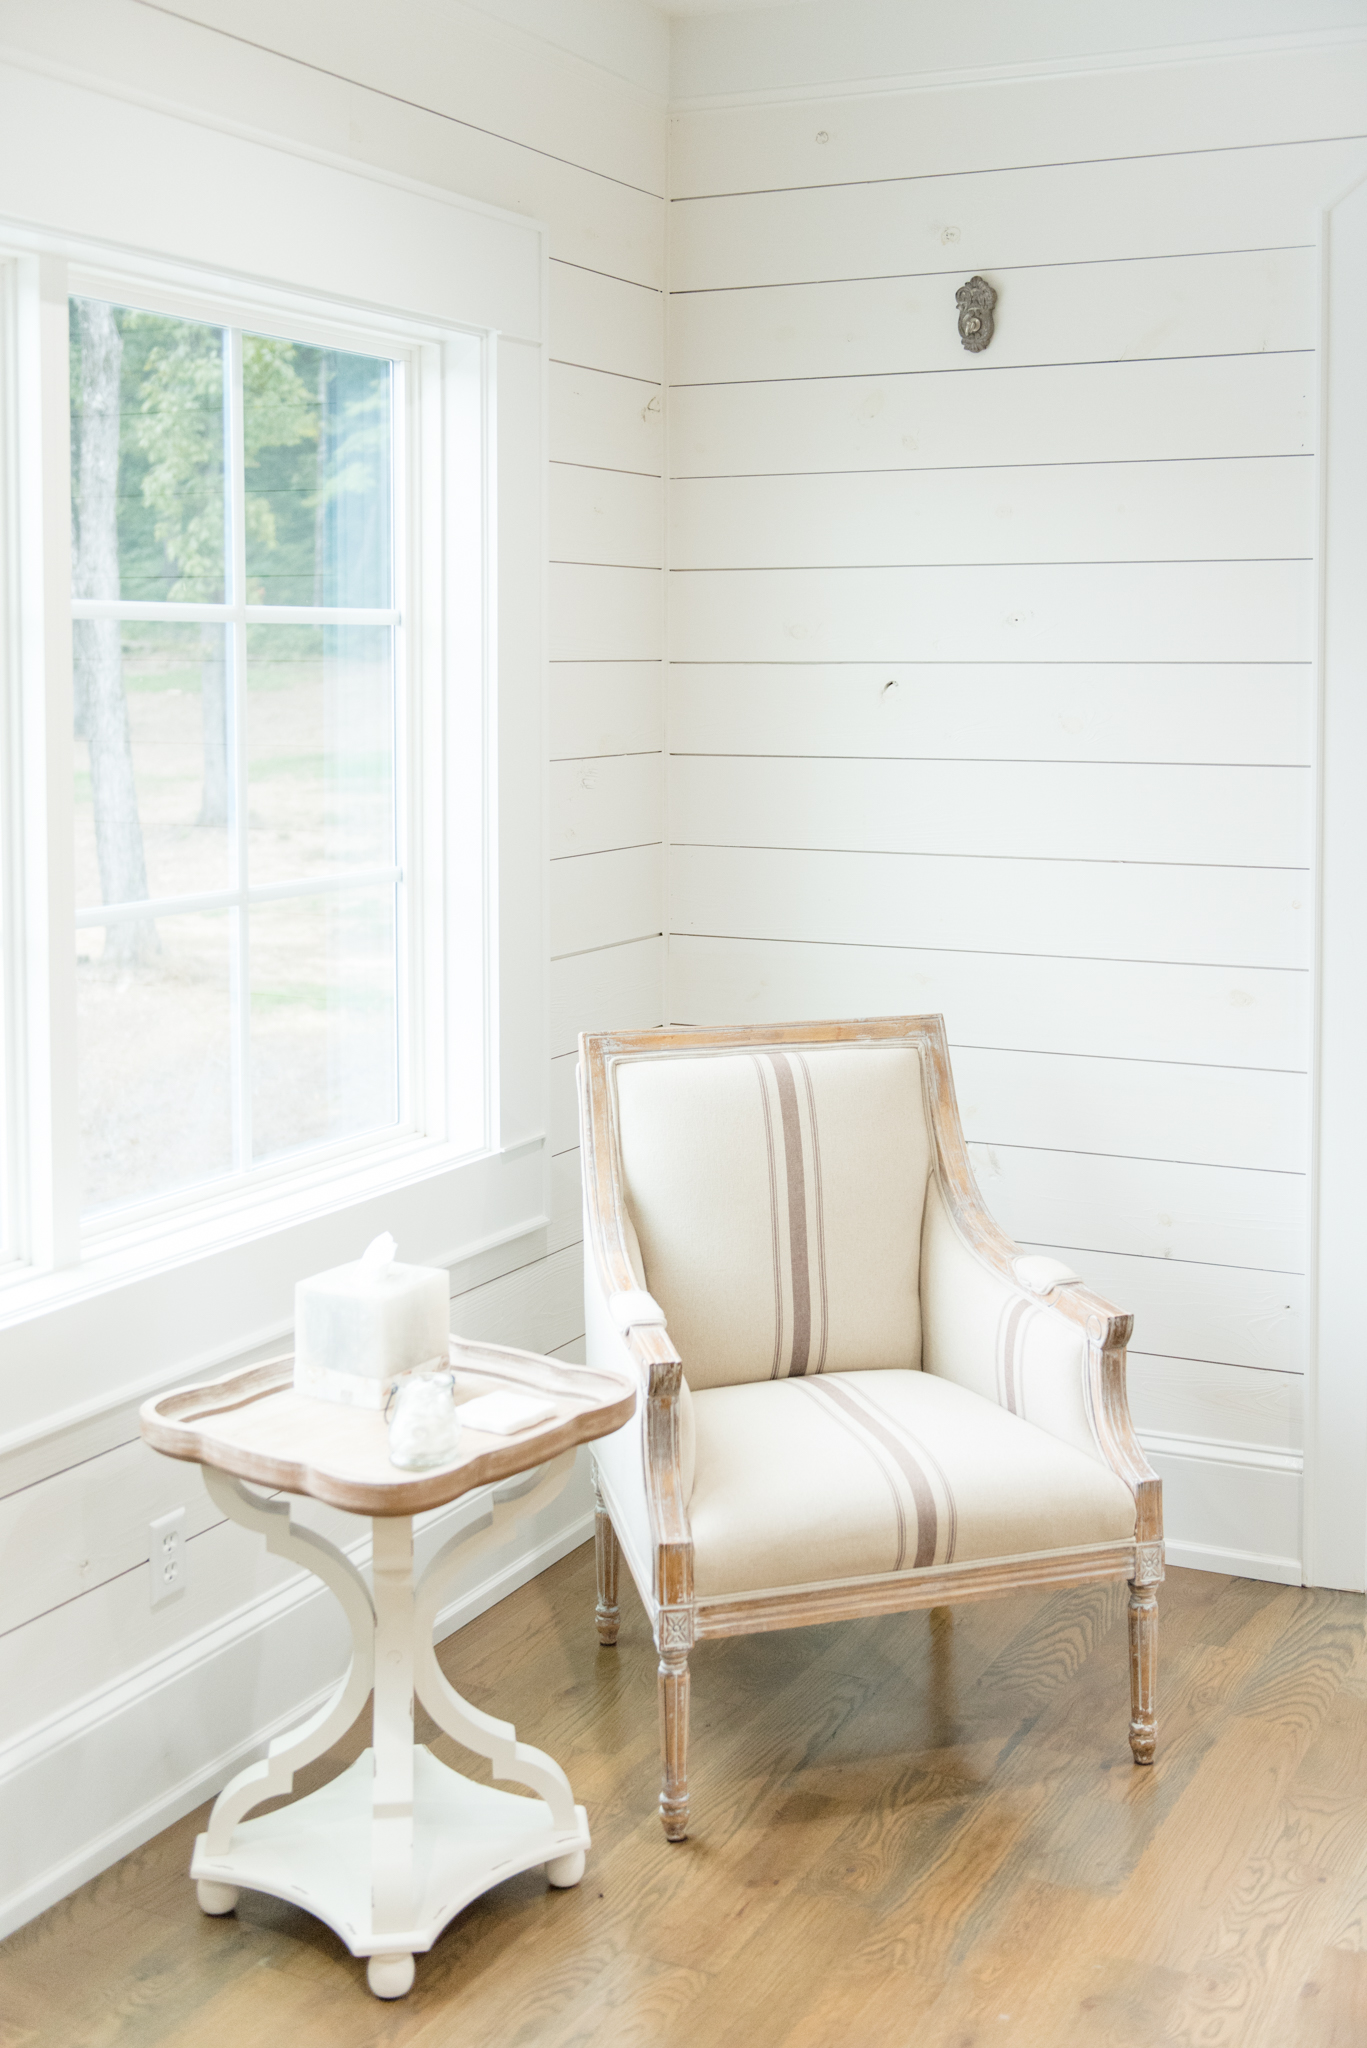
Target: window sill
[190,1298]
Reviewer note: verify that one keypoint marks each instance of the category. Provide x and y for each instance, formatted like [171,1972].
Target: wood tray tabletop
[254,1425]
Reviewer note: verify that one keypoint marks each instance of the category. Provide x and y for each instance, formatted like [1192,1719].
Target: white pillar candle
[359,1328]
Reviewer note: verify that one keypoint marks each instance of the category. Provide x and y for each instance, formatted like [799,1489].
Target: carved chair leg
[674,1687]
[1143,1671]
[607,1553]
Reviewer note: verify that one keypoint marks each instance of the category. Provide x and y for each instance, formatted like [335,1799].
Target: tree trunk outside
[97,642]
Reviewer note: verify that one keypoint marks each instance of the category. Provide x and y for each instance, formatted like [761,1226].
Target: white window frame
[457,292]
[434,1097]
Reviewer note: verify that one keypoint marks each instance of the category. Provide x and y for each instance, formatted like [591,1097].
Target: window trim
[474,315]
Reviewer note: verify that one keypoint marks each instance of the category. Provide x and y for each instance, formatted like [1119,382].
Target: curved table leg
[395,1791]
[517,1762]
[288,1753]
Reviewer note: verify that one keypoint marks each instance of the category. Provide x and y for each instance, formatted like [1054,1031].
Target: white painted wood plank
[1093,512]
[468,69]
[1193,1314]
[617,989]
[598,614]
[1097,910]
[1040,810]
[1116,711]
[538,1308]
[1052,213]
[89,1524]
[1133,611]
[1230,303]
[1230,1403]
[604,323]
[1206,1015]
[611,707]
[594,219]
[1223,1116]
[1155,1209]
[1263,97]
[599,899]
[984,418]
[567,1202]
[606,516]
[564,1121]
[605,421]
[1214,1511]
[605,802]
[69,1651]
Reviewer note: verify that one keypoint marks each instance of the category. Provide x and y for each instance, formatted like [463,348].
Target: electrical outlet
[166,1556]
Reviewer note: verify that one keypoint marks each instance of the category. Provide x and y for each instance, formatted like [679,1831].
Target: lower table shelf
[316,1852]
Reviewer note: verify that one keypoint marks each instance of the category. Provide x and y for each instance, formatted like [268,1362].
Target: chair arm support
[633,1309]
[1022,1330]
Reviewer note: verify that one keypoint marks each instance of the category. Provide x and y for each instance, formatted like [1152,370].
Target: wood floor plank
[904,1830]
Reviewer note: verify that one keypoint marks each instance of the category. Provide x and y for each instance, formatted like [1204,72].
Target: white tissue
[505,1414]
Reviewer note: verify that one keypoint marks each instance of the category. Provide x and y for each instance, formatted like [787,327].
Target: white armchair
[860,1396]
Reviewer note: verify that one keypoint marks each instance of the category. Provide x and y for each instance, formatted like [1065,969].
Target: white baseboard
[1230,1507]
[99,1780]
[1239,1564]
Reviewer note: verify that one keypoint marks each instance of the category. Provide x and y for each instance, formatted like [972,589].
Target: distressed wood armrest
[661,1370]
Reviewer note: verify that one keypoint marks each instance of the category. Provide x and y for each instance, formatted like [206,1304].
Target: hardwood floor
[921,1829]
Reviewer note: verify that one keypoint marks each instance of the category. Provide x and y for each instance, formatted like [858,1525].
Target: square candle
[359,1328]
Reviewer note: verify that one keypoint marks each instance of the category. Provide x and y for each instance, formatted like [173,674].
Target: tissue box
[358,1329]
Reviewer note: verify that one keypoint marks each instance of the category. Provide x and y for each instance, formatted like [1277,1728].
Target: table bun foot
[564,1871]
[215,1898]
[390,1976]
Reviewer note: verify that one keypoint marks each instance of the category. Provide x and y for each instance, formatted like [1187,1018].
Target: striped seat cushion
[817,1479]
[777,1196]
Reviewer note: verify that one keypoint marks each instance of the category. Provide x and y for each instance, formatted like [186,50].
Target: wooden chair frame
[664,1578]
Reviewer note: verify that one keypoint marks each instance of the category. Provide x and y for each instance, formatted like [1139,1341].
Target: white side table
[392,1849]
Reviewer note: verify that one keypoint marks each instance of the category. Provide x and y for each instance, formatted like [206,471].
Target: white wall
[991,685]
[114,1718]
[991,693]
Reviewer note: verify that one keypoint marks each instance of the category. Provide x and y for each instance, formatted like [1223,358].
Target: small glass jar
[424,1422]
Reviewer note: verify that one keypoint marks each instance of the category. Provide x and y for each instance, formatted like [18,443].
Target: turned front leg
[1143,1671]
[607,1552]
[674,1688]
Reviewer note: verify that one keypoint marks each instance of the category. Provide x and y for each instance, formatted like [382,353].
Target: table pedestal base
[316,1854]
[389,1852]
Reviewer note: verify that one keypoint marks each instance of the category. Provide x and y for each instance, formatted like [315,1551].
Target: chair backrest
[777,1193]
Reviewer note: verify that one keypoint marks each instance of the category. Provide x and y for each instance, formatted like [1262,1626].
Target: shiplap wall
[991,684]
[112,1716]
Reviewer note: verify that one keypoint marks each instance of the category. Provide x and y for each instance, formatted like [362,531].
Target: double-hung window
[240,807]
[271,512]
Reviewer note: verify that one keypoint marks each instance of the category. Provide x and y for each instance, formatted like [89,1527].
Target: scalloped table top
[254,1425]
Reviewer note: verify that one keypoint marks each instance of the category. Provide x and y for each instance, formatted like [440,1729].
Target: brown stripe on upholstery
[1010,1340]
[823,1320]
[860,1436]
[773,1219]
[918,1447]
[878,1425]
[797,1213]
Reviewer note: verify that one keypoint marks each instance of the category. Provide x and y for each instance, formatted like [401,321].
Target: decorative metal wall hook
[975,301]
